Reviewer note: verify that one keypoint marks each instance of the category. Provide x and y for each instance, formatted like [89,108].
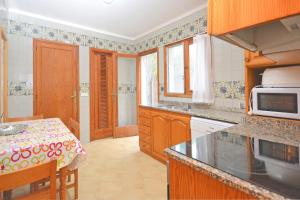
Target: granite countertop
[210,113]
[259,160]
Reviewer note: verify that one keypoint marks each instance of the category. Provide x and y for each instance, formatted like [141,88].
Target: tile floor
[116,170]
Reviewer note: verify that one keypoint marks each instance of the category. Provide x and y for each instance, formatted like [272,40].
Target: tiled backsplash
[224,89]
[127,89]
[230,89]
[22,88]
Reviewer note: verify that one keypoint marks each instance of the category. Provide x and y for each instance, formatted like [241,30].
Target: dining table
[40,142]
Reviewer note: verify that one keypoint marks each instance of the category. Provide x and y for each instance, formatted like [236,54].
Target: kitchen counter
[261,161]
[210,113]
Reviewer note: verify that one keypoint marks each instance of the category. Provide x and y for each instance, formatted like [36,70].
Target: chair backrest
[19,119]
[31,175]
[74,127]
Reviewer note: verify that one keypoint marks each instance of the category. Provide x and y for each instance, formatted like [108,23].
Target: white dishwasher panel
[201,126]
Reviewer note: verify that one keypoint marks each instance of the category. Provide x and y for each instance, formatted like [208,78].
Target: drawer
[145,138]
[144,130]
[144,121]
[145,146]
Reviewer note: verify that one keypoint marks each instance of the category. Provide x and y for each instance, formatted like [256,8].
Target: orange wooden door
[160,128]
[56,80]
[101,93]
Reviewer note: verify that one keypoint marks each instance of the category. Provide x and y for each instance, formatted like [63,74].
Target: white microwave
[276,102]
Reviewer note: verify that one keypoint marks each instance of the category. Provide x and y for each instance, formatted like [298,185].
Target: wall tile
[47,33]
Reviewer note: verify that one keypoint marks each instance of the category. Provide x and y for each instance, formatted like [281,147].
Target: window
[177,69]
[149,78]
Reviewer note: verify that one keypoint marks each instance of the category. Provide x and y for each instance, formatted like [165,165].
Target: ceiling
[128,19]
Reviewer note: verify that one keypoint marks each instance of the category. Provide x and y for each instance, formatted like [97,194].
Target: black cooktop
[272,165]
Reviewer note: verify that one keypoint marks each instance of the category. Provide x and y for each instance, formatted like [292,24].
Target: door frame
[3,36]
[36,77]
[132,129]
[92,52]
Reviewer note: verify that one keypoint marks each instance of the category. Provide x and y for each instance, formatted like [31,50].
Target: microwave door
[277,104]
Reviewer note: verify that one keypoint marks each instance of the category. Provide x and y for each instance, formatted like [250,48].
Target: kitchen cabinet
[226,16]
[161,133]
[185,182]
[160,129]
[179,129]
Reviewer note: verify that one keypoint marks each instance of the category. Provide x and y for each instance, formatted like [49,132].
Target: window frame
[187,90]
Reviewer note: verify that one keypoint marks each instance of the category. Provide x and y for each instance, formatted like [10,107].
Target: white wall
[84,109]
[20,69]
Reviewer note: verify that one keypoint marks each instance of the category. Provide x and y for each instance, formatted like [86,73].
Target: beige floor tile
[115,169]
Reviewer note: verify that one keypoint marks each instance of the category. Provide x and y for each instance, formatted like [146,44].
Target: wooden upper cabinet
[226,16]
[160,129]
[180,129]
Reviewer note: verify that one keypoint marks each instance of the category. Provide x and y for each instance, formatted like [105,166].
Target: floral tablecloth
[42,141]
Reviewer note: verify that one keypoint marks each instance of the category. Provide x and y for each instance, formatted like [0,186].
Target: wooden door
[55,80]
[128,128]
[101,93]
[179,129]
[160,128]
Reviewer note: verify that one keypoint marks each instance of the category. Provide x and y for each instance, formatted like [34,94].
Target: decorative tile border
[189,29]
[44,32]
[84,89]
[230,89]
[224,89]
[127,89]
[20,88]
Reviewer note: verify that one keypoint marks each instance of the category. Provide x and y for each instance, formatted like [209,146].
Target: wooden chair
[74,128]
[19,119]
[30,175]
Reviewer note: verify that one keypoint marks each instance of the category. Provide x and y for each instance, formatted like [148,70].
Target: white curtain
[149,93]
[201,74]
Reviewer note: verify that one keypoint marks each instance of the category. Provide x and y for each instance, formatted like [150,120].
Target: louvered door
[101,94]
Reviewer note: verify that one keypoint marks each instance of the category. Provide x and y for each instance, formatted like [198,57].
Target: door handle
[74,95]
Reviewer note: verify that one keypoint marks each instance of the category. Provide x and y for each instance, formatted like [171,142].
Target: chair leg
[34,187]
[7,195]
[69,178]
[76,183]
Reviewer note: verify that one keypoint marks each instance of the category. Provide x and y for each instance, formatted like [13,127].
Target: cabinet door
[179,129]
[160,128]
[230,15]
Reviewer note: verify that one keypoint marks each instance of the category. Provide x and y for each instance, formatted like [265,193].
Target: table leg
[63,179]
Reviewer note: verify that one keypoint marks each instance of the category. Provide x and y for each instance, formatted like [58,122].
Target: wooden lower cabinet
[180,129]
[160,134]
[161,129]
[188,183]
